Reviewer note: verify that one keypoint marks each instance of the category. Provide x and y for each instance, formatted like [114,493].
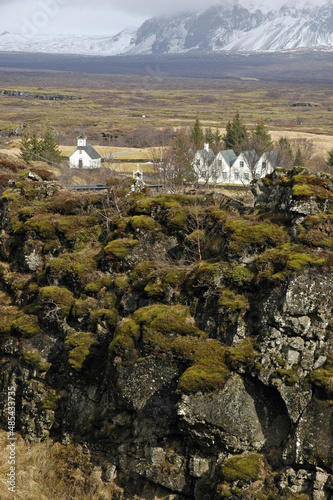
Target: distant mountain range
[219,28]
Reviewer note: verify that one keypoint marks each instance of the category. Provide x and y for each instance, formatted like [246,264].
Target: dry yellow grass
[48,470]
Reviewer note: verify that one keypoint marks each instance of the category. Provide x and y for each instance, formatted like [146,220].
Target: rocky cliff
[185,341]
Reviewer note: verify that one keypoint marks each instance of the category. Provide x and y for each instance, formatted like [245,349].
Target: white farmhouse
[221,166]
[85,155]
[202,162]
[244,167]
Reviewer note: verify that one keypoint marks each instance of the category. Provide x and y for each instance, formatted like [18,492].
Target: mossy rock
[109,316]
[95,287]
[238,275]
[56,300]
[83,307]
[277,264]
[244,467]
[81,347]
[323,378]
[230,300]
[74,267]
[51,402]
[144,223]
[242,234]
[160,329]
[125,338]
[121,283]
[120,248]
[26,326]
[242,356]
[32,358]
[289,376]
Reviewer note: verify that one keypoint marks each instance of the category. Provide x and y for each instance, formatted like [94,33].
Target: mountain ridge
[218,28]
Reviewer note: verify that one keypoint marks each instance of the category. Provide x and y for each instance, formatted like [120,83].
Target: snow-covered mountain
[221,27]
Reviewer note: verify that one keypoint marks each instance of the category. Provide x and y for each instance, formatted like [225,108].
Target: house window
[241,164]
[219,163]
[224,175]
[236,175]
[246,176]
[197,163]
[264,164]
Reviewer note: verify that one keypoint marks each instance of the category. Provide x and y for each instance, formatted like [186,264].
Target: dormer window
[241,164]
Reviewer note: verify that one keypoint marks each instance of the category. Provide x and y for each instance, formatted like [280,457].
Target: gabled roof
[229,155]
[272,156]
[207,156]
[90,152]
[250,155]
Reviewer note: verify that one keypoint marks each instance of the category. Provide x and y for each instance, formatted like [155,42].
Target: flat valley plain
[116,98]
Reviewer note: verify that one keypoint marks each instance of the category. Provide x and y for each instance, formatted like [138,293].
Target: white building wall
[87,162]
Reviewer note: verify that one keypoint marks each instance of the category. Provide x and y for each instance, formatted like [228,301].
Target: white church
[85,155]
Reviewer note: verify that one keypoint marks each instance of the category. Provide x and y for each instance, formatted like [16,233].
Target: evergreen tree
[299,160]
[30,147]
[217,141]
[262,137]
[34,148]
[209,136]
[49,147]
[236,134]
[197,136]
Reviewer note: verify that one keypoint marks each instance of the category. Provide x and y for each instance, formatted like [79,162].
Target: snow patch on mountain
[227,26]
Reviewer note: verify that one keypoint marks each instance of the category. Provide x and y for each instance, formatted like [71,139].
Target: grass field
[118,111]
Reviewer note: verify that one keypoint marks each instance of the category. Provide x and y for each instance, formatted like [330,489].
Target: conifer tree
[262,136]
[45,148]
[236,134]
[49,147]
[299,160]
[30,147]
[209,136]
[197,135]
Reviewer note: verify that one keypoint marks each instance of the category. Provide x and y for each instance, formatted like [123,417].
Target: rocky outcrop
[187,344]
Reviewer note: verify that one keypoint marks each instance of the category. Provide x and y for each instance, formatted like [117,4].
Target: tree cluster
[45,148]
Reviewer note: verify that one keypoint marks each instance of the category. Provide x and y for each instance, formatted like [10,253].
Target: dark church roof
[90,151]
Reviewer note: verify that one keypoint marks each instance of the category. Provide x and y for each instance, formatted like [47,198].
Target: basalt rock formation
[186,341]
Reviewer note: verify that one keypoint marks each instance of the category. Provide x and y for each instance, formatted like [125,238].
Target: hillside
[184,341]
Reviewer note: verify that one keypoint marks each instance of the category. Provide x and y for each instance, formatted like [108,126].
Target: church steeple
[82,140]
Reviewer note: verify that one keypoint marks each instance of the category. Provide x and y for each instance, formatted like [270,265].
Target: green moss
[144,223]
[81,347]
[302,190]
[51,402]
[82,307]
[243,234]
[242,355]
[277,264]
[160,329]
[26,326]
[241,468]
[238,275]
[120,248]
[32,358]
[323,378]
[74,267]
[58,300]
[289,376]
[125,338]
[193,238]
[109,316]
[228,299]
[121,283]
[96,286]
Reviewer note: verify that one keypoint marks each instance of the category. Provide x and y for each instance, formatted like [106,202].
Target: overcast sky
[105,17]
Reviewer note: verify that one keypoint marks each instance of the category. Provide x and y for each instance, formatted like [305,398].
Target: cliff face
[185,341]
